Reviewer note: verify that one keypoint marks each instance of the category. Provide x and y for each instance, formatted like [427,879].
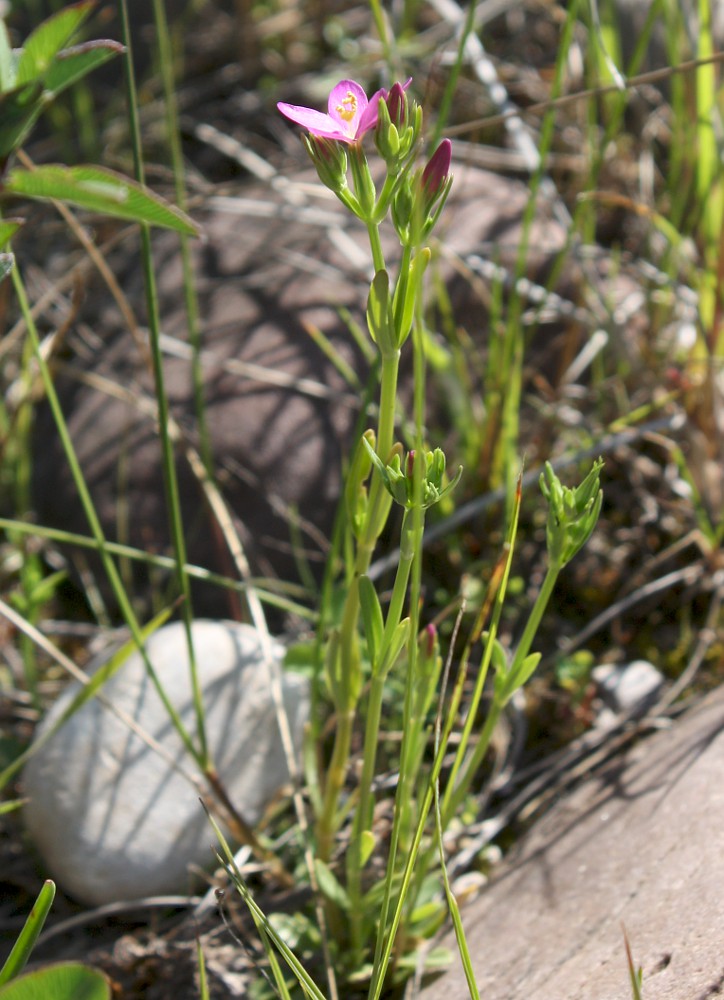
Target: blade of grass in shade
[452,80]
[269,935]
[506,458]
[635,974]
[706,104]
[201,962]
[87,692]
[89,510]
[177,166]
[20,454]
[173,501]
[167,562]
[18,957]
[457,789]
[453,903]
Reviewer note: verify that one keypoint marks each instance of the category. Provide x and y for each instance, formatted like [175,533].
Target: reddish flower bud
[430,637]
[397,104]
[438,167]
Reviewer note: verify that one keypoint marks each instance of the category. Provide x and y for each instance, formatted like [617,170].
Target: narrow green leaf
[11,806]
[379,321]
[19,109]
[8,228]
[260,920]
[42,45]
[73,64]
[65,981]
[99,190]
[7,60]
[371,617]
[18,957]
[404,310]
[397,641]
[201,962]
[367,846]
[331,887]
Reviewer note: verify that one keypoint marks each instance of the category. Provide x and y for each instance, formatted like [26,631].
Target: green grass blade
[201,962]
[264,927]
[18,957]
[98,190]
[168,462]
[453,905]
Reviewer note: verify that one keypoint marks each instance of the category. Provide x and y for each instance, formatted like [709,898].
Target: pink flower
[350,113]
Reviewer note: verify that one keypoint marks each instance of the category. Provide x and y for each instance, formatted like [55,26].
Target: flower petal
[313,120]
[368,118]
[347,104]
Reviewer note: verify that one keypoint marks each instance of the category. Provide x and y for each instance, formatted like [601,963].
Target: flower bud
[435,174]
[397,105]
[572,513]
[329,159]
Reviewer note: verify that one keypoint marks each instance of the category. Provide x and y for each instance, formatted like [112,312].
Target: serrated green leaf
[19,110]
[42,45]
[20,953]
[99,190]
[65,981]
[73,64]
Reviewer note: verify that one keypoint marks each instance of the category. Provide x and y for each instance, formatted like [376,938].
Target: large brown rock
[639,845]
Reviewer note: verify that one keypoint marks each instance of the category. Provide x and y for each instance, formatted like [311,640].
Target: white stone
[629,688]
[111,818]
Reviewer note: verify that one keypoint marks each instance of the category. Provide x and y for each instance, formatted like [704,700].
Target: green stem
[402,812]
[363,815]
[168,462]
[534,618]
[348,667]
[455,793]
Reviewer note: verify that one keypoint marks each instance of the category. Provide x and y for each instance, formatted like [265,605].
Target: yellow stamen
[348,108]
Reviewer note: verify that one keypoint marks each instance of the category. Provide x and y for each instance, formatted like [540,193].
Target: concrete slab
[641,845]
